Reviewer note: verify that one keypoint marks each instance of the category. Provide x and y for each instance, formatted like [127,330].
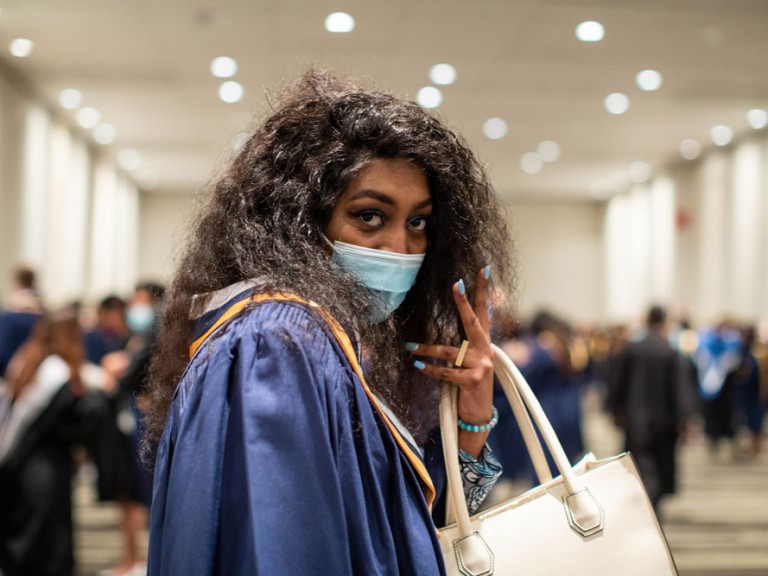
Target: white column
[127,235]
[713,237]
[763,265]
[103,265]
[68,205]
[75,217]
[55,259]
[662,241]
[743,281]
[617,298]
[638,258]
[34,208]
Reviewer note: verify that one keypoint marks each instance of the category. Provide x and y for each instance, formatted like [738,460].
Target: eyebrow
[384,199]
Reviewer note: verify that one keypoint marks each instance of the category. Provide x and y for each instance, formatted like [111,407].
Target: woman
[353,228]
[122,477]
[44,409]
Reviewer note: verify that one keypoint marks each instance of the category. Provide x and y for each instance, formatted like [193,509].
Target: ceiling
[144,64]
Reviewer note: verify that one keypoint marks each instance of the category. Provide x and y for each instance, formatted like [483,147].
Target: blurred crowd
[71,383]
[660,381]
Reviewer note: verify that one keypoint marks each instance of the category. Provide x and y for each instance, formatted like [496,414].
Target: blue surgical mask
[140,317]
[388,275]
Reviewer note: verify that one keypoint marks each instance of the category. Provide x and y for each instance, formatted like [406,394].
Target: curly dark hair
[265,218]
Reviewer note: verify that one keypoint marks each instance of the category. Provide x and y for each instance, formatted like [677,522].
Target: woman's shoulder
[274,341]
[280,326]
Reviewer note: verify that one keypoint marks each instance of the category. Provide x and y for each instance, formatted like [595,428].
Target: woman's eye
[419,223]
[371,218]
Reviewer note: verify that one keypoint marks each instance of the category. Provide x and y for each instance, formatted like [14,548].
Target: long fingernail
[419,364]
[461,287]
[411,346]
[487,272]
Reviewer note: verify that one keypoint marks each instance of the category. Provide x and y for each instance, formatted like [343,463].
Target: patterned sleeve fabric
[478,476]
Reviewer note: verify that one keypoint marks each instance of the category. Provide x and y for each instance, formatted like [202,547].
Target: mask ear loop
[327,241]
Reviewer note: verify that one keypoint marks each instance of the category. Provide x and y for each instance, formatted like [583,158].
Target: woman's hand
[475,375]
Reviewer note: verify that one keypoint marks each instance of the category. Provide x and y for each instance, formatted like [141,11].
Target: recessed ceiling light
[495,128]
[129,159]
[442,74]
[429,97]
[231,92]
[649,80]
[549,151]
[21,47]
[721,135]
[590,31]
[616,103]
[758,118]
[223,67]
[104,133]
[531,163]
[88,117]
[70,98]
[690,149]
[339,22]
[639,172]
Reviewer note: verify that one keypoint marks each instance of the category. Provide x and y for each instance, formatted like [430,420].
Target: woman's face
[386,207]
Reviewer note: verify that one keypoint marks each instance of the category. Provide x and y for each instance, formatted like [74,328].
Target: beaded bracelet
[481,427]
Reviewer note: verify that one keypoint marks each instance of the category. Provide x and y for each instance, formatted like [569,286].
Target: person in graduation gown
[325,295]
[111,331]
[544,358]
[647,398]
[122,477]
[45,408]
[20,314]
[718,356]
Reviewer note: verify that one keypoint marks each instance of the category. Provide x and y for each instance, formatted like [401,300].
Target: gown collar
[215,311]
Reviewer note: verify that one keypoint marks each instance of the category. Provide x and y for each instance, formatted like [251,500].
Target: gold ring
[462,352]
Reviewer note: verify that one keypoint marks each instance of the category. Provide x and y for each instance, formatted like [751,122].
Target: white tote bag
[594,519]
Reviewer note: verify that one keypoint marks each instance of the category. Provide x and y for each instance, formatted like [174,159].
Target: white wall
[559,249]
[685,299]
[163,223]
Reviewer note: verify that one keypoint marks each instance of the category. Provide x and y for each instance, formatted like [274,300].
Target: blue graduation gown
[274,461]
[15,328]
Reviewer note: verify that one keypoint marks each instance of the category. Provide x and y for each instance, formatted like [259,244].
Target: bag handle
[530,438]
[583,512]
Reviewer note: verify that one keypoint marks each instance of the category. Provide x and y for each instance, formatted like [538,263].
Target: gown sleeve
[282,506]
[274,462]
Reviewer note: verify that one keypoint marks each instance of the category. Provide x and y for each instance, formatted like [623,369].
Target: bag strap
[531,439]
[516,389]
[511,379]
